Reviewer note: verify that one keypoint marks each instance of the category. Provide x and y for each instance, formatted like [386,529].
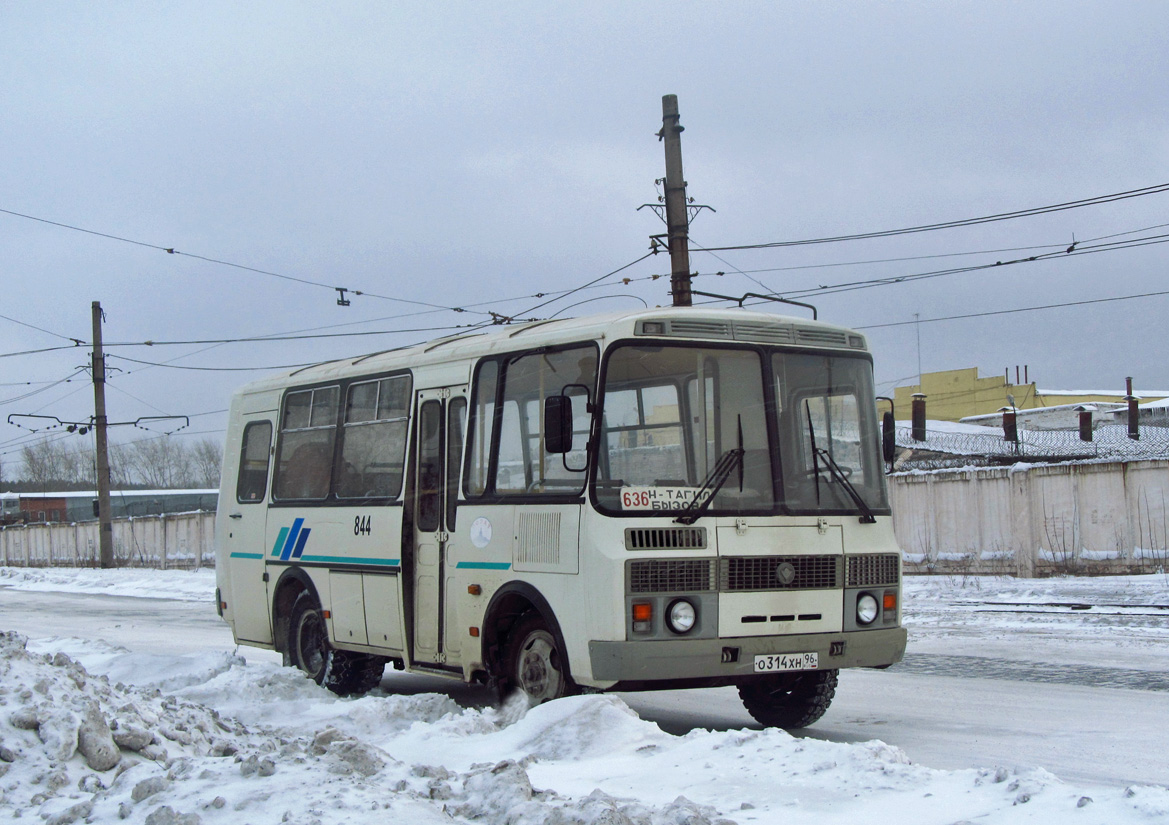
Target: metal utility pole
[677,219]
[101,424]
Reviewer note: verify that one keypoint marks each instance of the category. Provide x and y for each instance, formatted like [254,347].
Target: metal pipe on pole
[677,219]
[101,426]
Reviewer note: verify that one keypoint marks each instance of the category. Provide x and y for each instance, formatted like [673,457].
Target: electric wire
[35,351]
[543,304]
[273,338]
[75,341]
[215,369]
[115,388]
[1001,216]
[221,262]
[850,286]
[1017,310]
[50,386]
[644,302]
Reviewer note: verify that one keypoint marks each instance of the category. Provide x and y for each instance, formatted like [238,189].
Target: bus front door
[437,449]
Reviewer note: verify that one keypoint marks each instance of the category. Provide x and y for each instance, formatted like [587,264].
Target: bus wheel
[534,663]
[790,700]
[341,671]
[308,638]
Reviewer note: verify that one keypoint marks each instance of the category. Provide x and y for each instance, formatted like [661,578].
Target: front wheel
[341,671]
[534,663]
[790,700]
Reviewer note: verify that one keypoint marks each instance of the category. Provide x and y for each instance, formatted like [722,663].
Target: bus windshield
[777,431]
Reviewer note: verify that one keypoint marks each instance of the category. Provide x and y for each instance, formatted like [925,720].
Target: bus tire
[789,700]
[308,649]
[534,663]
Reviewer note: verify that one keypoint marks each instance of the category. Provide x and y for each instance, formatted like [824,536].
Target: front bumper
[718,659]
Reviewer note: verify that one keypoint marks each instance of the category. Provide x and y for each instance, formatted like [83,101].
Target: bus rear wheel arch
[307,648]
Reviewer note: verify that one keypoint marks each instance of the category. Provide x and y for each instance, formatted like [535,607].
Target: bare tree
[206,459]
[44,462]
[160,463]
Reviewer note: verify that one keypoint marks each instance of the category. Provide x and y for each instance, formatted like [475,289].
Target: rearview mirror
[557,424]
[888,437]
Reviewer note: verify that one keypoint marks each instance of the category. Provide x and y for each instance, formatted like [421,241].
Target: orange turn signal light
[475,632]
[642,611]
[890,601]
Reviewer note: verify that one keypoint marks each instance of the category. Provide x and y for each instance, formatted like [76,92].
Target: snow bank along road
[128,702]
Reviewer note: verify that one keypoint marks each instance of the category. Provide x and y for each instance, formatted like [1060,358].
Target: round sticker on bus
[481,532]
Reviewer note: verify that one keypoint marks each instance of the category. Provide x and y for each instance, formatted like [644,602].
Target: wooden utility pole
[677,219]
[101,425]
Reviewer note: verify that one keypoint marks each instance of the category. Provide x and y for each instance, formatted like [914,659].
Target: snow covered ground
[101,732]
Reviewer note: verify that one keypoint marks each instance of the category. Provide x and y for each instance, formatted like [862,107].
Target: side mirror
[557,424]
[888,437]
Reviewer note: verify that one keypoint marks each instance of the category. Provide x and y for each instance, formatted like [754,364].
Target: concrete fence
[1035,520]
[176,540]
[1024,520]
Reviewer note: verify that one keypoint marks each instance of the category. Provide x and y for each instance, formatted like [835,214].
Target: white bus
[662,499]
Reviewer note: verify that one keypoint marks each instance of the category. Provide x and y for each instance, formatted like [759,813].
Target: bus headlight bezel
[868,609]
[681,616]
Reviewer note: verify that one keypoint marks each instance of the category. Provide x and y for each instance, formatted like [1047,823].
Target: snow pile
[260,743]
[77,747]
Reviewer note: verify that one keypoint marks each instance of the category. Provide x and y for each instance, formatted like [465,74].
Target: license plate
[777,662]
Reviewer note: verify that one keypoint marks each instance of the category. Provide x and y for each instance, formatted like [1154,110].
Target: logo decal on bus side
[290,543]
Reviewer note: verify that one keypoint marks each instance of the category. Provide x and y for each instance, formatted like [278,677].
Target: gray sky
[473,154]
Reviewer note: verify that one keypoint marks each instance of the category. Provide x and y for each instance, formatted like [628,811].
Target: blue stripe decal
[279,541]
[292,536]
[352,560]
[247,555]
[483,565]
[300,543]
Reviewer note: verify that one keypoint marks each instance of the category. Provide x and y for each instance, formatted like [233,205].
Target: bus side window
[456,418]
[479,434]
[304,461]
[252,482]
[374,438]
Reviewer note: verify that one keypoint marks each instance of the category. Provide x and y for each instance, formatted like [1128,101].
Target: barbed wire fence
[949,450]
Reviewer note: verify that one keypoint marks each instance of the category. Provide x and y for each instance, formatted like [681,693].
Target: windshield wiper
[867,516]
[815,450]
[711,485]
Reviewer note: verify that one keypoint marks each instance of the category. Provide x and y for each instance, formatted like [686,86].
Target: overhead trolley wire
[930,227]
[221,262]
[214,369]
[1017,309]
[594,281]
[849,286]
[76,341]
[38,391]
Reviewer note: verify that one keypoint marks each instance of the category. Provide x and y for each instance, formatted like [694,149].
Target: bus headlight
[681,616]
[866,609]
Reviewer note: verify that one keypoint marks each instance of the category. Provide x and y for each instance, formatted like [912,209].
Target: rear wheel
[341,671]
[534,662]
[789,700]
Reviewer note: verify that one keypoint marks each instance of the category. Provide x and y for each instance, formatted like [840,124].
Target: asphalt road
[1082,722]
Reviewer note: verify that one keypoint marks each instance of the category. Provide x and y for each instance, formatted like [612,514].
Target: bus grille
[672,576]
[872,571]
[769,572]
[665,538]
